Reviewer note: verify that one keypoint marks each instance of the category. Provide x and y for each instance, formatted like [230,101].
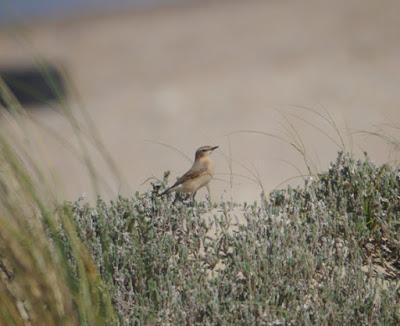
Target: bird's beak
[213,148]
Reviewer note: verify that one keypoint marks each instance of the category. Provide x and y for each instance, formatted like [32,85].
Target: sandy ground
[190,75]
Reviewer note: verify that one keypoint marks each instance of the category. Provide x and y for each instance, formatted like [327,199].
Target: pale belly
[193,185]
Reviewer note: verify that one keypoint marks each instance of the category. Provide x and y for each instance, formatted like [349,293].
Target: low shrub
[324,253]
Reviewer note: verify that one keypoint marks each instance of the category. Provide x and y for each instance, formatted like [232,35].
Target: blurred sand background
[188,75]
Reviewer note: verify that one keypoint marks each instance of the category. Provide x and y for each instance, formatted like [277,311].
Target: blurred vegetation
[41,283]
[324,253]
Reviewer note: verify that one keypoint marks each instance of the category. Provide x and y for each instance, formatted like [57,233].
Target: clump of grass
[324,253]
[39,284]
[47,276]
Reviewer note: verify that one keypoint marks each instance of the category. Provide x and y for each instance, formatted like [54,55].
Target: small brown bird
[199,175]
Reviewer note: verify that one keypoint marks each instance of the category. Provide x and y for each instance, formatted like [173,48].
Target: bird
[198,176]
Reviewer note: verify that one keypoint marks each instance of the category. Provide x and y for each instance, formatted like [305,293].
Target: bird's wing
[191,174]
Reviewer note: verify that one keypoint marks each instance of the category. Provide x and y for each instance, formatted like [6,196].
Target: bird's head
[204,151]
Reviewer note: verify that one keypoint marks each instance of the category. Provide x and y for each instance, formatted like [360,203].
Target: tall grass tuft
[47,276]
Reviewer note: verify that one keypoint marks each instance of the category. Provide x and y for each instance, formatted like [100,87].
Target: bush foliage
[324,253]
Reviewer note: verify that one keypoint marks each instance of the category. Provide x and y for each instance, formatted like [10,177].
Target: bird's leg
[178,196]
[192,197]
[209,193]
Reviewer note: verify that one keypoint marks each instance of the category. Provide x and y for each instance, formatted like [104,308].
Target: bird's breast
[195,184]
[207,164]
